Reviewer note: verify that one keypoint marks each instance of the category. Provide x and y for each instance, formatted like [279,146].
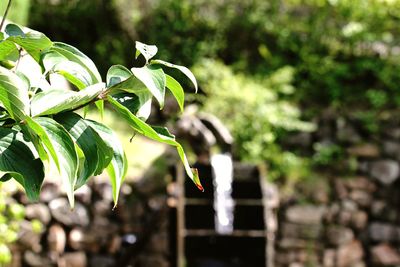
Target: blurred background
[309,92]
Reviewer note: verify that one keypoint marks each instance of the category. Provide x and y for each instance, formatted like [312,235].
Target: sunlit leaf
[183,69]
[176,89]
[117,74]
[13,94]
[156,134]
[55,101]
[154,79]
[118,166]
[148,51]
[73,54]
[75,73]
[44,138]
[97,154]
[66,153]
[139,104]
[32,41]
[8,51]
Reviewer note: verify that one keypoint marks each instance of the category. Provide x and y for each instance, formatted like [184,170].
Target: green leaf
[100,106]
[117,74]
[8,51]
[36,140]
[148,51]
[56,101]
[17,160]
[154,79]
[183,69]
[176,89]
[118,166]
[45,139]
[81,165]
[33,42]
[24,79]
[139,104]
[13,94]
[73,54]
[128,100]
[145,106]
[14,30]
[64,147]
[97,153]
[72,71]
[131,85]
[156,134]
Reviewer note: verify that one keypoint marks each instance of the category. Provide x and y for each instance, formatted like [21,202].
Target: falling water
[223,203]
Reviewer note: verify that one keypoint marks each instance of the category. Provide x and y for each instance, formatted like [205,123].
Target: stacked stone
[92,234]
[353,218]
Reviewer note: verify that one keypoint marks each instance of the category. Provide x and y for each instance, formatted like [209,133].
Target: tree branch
[5,14]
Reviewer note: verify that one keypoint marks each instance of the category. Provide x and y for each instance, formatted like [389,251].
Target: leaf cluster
[39,123]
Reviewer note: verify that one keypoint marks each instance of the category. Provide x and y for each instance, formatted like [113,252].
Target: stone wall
[93,234]
[349,215]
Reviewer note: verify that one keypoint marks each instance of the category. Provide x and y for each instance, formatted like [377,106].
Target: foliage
[11,215]
[258,114]
[343,53]
[327,154]
[340,49]
[39,124]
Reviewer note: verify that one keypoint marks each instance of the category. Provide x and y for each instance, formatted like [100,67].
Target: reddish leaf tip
[200,187]
[196,179]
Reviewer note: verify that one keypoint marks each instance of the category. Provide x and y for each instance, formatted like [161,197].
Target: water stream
[223,203]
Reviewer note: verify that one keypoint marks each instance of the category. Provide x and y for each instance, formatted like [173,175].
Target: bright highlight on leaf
[183,69]
[38,124]
[176,89]
[157,134]
[148,51]
[13,94]
[56,100]
[117,168]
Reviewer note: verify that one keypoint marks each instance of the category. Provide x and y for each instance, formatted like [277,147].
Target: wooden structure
[197,244]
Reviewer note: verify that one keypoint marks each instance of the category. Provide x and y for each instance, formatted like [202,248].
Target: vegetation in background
[19,13]
[91,25]
[341,53]
[256,113]
[339,49]
[11,216]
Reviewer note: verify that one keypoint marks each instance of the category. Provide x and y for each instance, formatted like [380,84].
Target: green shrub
[254,111]
[11,215]
[339,49]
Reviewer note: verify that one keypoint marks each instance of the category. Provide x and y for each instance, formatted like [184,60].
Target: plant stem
[19,59]
[5,14]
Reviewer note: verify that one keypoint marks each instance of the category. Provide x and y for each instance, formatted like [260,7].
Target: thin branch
[99,97]
[19,59]
[5,14]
